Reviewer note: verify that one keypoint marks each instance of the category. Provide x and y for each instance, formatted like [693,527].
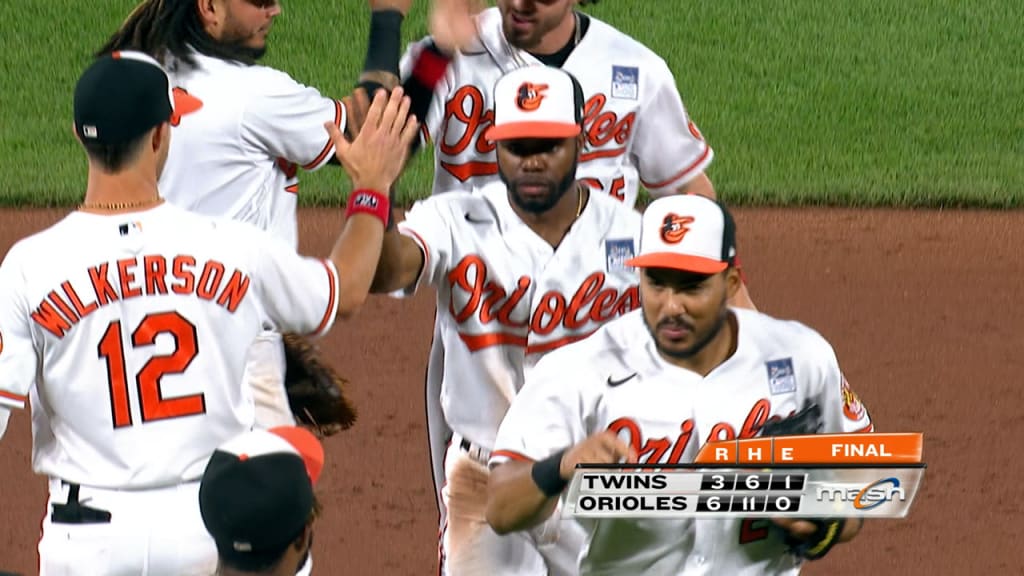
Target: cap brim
[307,445]
[185,103]
[674,261]
[516,130]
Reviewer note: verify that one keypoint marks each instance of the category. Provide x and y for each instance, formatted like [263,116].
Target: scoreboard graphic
[819,475]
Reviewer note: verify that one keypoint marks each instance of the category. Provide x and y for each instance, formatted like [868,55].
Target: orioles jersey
[616,380]
[133,344]
[239,155]
[636,127]
[505,297]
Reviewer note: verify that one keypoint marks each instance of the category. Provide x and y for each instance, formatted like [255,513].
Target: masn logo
[871,496]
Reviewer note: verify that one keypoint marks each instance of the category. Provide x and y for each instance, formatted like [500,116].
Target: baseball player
[521,267]
[636,126]
[241,155]
[655,384]
[126,324]
[257,501]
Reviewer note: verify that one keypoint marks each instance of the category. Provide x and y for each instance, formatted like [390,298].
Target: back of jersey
[141,323]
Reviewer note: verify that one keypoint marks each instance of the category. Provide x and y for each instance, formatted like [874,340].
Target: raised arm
[373,161]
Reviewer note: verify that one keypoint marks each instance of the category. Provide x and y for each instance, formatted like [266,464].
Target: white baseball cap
[536,102]
[686,232]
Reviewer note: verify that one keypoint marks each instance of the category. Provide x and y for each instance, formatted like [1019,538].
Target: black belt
[75,513]
[475,451]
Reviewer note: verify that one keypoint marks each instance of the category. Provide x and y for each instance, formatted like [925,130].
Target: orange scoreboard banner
[872,475]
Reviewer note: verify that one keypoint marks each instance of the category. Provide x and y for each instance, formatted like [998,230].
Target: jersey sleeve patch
[853,409]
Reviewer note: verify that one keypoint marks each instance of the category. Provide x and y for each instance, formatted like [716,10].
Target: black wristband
[547,475]
[384,48]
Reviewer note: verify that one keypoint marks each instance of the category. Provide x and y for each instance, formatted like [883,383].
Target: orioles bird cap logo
[675,227]
[530,95]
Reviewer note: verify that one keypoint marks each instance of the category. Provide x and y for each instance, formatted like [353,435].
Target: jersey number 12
[152,404]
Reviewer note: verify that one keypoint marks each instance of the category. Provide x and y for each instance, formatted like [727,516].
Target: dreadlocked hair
[163,28]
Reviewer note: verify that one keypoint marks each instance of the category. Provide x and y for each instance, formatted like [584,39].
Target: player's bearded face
[526,22]
[537,171]
[683,311]
[247,24]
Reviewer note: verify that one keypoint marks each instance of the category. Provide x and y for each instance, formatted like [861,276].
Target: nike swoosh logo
[614,383]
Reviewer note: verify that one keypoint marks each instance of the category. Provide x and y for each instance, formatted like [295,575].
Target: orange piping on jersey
[511,455]
[602,154]
[13,396]
[681,173]
[470,169]
[292,188]
[479,341]
[330,145]
[330,298]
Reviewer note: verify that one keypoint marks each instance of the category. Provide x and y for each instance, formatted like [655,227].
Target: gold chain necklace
[579,194]
[119,205]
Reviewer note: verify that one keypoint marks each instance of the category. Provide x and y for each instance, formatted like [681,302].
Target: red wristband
[430,67]
[366,201]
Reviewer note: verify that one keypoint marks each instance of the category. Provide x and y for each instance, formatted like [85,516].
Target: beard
[696,347]
[539,204]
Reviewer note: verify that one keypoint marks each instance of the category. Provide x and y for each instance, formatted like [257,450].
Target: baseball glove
[806,421]
[316,393]
[818,544]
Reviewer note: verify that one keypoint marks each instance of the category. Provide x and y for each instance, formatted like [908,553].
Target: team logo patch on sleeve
[617,252]
[781,377]
[852,407]
[625,82]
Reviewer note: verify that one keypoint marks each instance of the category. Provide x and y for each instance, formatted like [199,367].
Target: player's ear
[732,281]
[160,133]
[209,12]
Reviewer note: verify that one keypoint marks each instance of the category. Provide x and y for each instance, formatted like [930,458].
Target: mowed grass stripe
[863,102]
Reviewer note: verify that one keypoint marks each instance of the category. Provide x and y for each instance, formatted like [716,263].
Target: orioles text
[130,278]
[654,450]
[474,293]
[467,116]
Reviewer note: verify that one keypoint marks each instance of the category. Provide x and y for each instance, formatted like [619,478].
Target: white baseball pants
[470,547]
[155,532]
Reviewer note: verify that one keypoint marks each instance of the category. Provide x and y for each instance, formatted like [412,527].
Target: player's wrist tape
[430,67]
[547,475]
[366,201]
[824,538]
[384,48]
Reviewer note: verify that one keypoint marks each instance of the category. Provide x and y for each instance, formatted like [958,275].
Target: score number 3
[152,404]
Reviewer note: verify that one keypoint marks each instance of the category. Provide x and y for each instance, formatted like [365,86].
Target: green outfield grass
[860,102]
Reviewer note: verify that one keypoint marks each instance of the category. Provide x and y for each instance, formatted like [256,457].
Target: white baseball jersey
[131,333]
[238,156]
[616,380]
[636,126]
[505,297]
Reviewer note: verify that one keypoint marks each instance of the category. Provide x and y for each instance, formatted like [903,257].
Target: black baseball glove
[316,393]
[806,421]
[818,544]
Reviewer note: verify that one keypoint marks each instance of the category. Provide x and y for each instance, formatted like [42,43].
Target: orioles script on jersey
[130,278]
[466,118]
[475,294]
[652,450]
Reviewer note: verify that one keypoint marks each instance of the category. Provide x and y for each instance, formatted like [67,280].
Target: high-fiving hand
[375,158]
